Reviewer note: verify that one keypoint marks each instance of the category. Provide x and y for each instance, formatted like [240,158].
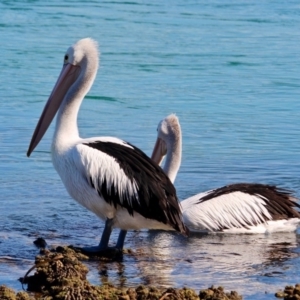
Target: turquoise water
[228,69]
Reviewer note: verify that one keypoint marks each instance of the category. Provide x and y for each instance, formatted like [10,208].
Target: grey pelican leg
[121,239]
[103,245]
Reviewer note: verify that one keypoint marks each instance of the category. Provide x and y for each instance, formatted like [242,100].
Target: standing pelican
[235,208]
[108,176]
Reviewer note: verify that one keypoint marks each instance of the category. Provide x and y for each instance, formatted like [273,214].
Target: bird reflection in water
[239,262]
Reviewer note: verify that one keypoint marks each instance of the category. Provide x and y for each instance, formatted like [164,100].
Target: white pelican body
[236,208]
[83,169]
[108,176]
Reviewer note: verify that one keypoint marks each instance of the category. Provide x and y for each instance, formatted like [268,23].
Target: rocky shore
[59,274]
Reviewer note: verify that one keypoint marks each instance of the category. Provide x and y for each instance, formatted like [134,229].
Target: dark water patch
[257,21]
[39,96]
[132,3]
[11,26]
[232,5]
[232,20]
[123,3]
[113,19]
[148,68]
[199,54]
[239,63]
[238,55]
[146,22]
[77,16]
[102,98]
[138,107]
[122,53]
[273,274]
[188,14]
[286,84]
[20,9]
[61,5]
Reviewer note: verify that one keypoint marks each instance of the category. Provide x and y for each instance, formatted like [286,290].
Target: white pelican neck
[66,129]
[173,157]
[169,131]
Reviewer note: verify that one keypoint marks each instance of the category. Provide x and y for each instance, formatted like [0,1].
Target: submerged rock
[40,243]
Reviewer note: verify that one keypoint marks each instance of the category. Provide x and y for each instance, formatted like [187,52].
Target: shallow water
[229,70]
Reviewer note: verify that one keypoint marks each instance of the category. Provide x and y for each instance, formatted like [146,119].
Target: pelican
[108,176]
[234,208]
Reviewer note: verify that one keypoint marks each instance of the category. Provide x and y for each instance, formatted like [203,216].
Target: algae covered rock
[289,293]
[218,293]
[60,275]
[7,293]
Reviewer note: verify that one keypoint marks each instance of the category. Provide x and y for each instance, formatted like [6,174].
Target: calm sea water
[228,69]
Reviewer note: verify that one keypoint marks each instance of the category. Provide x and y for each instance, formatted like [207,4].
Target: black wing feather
[156,197]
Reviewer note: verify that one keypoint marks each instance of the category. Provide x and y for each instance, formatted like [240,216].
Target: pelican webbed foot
[99,251]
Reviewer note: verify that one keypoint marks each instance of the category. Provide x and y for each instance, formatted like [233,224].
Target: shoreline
[60,274]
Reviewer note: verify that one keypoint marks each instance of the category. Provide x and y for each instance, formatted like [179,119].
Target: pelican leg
[121,239]
[103,245]
[106,234]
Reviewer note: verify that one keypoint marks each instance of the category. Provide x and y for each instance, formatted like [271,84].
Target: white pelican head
[77,75]
[168,135]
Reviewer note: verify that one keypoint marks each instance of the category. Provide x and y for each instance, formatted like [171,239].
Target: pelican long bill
[67,77]
[158,153]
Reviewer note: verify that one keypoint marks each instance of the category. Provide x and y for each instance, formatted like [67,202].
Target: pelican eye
[66,57]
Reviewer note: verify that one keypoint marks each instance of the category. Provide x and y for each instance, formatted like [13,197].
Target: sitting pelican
[108,176]
[235,208]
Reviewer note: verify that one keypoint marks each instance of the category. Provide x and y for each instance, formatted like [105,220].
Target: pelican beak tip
[28,152]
